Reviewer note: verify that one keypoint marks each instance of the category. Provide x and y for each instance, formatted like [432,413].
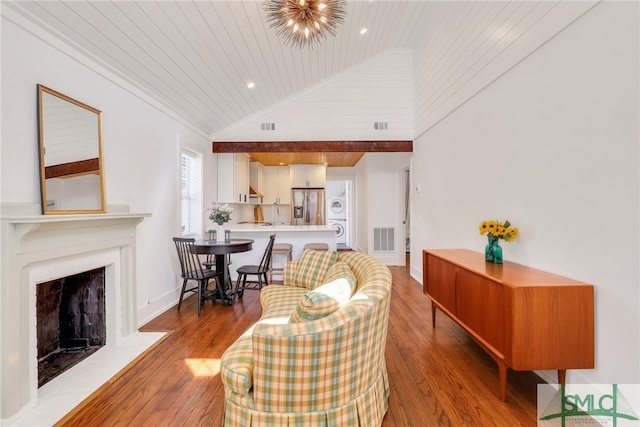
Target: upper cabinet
[312,176]
[256,181]
[277,185]
[233,178]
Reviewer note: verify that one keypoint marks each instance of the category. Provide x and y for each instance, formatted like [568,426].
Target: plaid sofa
[326,372]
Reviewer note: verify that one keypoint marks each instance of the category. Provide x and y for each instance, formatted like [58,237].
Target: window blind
[191,193]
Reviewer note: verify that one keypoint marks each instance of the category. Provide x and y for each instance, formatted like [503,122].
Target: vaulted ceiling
[197,57]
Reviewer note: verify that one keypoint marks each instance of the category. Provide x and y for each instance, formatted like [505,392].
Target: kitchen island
[296,235]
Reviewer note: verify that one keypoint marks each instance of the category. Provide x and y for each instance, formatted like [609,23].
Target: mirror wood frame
[72,171]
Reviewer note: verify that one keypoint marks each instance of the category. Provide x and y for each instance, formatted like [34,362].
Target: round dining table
[220,250]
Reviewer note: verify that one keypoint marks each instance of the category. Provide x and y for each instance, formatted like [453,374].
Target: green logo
[589,403]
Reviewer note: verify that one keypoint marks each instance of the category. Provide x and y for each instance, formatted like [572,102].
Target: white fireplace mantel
[30,243]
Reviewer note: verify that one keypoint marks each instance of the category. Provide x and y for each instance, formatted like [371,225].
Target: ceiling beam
[67,170]
[396,146]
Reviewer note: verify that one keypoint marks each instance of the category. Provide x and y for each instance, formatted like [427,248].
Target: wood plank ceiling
[197,57]
[331,159]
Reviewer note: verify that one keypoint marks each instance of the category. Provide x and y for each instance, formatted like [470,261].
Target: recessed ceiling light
[362,31]
[250,85]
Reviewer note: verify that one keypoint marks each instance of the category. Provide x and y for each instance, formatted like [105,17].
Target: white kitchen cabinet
[256,180]
[308,176]
[277,185]
[233,178]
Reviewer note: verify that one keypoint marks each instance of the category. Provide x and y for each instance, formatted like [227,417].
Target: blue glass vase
[493,251]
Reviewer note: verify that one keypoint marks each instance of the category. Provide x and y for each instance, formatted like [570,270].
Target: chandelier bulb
[306,32]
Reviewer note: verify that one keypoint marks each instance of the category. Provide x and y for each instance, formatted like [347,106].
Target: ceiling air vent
[268,126]
[381,125]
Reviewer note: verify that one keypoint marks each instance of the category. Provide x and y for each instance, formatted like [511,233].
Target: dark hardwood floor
[437,377]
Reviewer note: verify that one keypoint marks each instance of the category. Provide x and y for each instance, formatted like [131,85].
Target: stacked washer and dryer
[338,211]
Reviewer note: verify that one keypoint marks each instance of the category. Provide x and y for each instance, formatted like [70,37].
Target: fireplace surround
[37,248]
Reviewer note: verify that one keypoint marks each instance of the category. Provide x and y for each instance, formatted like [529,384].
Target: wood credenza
[525,319]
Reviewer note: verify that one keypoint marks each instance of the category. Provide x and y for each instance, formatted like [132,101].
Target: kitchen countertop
[252,227]
[296,235]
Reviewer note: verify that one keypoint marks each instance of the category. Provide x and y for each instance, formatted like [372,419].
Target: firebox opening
[70,320]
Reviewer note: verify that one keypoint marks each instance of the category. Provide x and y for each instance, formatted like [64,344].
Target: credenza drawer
[481,306]
[441,285]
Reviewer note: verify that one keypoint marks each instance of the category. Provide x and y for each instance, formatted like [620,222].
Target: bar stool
[316,246]
[285,249]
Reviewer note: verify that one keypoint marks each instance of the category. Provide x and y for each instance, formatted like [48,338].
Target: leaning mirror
[70,136]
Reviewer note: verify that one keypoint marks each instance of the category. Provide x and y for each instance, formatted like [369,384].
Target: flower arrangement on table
[496,230]
[220,214]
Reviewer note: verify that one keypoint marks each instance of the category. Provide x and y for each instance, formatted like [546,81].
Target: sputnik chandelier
[303,22]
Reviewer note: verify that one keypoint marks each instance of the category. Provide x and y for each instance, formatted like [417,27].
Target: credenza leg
[562,376]
[502,371]
[433,315]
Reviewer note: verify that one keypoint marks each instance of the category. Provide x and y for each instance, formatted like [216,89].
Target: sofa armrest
[309,366]
[236,367]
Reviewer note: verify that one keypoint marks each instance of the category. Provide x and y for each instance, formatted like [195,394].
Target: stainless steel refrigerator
[307,206]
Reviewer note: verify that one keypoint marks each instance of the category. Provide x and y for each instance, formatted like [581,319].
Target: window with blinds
[191,193]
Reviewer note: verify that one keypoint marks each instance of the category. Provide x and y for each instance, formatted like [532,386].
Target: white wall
[361,196]
[343,107]
[380,201]
[141,154]
[552,146]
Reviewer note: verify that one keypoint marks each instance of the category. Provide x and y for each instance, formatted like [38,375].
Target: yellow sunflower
[512,234]
[501,230]
[488,227]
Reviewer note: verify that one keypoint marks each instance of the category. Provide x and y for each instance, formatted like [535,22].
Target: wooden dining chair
[260,271]
[192,270]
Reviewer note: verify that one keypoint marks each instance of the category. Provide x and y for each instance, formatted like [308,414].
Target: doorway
[406,220]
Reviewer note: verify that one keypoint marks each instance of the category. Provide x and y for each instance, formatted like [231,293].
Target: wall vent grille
[384,239]
[268,126]
[380,125]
